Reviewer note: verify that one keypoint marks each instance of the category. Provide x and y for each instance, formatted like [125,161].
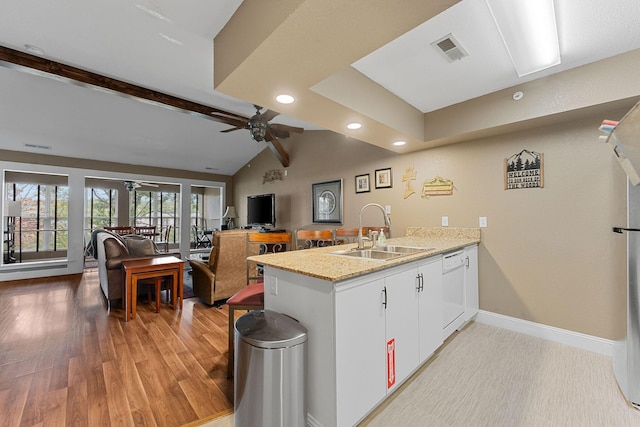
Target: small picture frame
[383,178]
[362,183]
[327,202]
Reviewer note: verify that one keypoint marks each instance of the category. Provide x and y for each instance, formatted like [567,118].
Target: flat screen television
[261,210]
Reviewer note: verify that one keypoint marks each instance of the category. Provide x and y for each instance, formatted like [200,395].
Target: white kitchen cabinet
[360,346]
[402,339]
[430,306]
[471,282]
[384,330]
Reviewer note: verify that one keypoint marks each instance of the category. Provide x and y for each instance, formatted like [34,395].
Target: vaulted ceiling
[356,60]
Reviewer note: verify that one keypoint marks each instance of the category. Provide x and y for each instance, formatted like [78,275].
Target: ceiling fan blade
[276,148]
[279,133]
[269,115]
[286,128]
[231,129]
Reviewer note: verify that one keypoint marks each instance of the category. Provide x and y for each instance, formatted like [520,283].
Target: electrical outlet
[482,221]
[387,209]
[273,285]
[445,221]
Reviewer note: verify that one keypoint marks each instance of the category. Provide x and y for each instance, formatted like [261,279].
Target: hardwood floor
[66,359]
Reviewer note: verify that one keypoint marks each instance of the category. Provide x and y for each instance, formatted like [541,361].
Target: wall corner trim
[551,333]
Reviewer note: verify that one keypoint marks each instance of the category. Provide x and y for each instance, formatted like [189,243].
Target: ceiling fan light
[285,99]
[258,129]
[529,32]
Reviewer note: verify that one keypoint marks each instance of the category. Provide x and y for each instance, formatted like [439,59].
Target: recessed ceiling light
[354,125]
[399,143]
[285,99]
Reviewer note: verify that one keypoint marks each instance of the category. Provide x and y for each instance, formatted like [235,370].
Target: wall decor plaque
[409,175]
[524,170]
[437,186]
[272,175]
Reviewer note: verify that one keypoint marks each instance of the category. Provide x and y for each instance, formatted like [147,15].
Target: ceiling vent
[38,146]
[450,48]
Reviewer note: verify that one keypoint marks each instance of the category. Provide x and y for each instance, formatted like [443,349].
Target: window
[41,229]
[101,208]
[156,208]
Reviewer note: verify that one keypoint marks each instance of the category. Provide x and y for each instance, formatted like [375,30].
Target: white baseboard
[563,336]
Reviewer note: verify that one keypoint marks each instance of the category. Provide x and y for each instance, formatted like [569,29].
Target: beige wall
[547,256]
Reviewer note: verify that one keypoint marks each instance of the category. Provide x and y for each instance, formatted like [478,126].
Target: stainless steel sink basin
[382,254]
[406,250]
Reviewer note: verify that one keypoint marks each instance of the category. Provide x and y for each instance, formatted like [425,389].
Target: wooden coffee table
[135,270]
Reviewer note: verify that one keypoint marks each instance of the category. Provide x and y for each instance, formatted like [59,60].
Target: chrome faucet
[387,222]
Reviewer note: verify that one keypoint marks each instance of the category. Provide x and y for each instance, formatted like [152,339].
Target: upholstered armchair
[225,273]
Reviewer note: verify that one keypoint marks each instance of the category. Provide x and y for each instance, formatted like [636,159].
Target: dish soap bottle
[382,239]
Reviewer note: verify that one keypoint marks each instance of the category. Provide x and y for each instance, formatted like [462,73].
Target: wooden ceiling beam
[32,64]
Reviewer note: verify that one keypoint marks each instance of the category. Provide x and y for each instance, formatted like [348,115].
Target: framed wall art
[524,170]
[362,183]
[327,202]
[383,178]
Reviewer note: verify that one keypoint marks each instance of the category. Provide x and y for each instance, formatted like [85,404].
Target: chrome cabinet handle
[384,297]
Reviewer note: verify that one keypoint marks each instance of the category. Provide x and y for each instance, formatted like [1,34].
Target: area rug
[187,284]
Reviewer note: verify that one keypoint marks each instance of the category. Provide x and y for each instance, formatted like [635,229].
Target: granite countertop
[320,263]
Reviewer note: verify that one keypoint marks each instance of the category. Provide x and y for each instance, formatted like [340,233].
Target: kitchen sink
[381,253]
[405,250]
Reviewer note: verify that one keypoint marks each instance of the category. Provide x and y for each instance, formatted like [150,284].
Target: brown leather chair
[111,251]
[226,270]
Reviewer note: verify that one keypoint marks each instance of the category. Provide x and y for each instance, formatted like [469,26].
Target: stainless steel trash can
[269,370]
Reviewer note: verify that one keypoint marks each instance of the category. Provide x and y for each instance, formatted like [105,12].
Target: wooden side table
[146,268]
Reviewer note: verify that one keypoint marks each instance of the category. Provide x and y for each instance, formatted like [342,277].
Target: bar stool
[251,297]
[306,239]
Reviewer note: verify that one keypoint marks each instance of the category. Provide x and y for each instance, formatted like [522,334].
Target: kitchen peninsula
[372,323]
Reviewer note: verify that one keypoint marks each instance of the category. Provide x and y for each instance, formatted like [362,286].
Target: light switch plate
[483,221]
[445,221]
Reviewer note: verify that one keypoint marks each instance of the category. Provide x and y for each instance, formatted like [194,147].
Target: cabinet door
[360,350]
[402,352]
[471,282]
[430,307]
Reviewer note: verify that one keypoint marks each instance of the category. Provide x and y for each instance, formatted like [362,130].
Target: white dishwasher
[453,287]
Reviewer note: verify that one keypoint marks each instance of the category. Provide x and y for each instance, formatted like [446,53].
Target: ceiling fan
[133,185]
[262,130]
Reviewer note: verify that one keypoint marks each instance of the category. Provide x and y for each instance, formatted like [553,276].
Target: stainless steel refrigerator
[625,141]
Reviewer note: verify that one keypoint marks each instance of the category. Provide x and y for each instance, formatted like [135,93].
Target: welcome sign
[524,170]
